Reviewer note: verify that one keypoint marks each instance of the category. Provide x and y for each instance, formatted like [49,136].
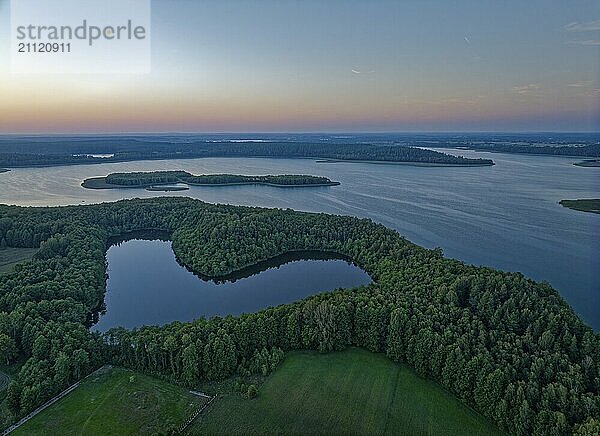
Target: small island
[583,205]
[177,180]
[4,170]
[168,188]
[589,163]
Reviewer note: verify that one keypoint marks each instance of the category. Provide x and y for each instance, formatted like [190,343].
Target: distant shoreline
[591,205]
[408,163]
[94,151]
[588,163]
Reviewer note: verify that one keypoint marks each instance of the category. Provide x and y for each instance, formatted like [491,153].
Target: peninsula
[169,180]
[60,151]
[582,205]
[588,163]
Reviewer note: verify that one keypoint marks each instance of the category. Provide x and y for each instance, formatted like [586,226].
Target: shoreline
[487,150]
[166,188]
[589,205]
[588,163]
[96,161]
[407,163]
[276,261]
[242,271]
[100,183]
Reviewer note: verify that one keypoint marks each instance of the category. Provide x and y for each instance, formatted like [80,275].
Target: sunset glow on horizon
[332,66]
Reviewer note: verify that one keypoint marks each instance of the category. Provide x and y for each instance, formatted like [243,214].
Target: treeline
[555,144]
[146,178]
[169,177]
[582,204]
[587,150]
[161,150]
[508,346]
[284,179]
[26,160]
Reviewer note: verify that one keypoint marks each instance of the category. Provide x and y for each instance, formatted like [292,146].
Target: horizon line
[315,132]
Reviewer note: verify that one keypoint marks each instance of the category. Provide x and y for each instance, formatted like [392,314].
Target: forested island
[156,180]
[507,346]
[583,205]
[20,153]
[588,163]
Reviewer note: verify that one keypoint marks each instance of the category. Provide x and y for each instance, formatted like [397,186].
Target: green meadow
[348,392]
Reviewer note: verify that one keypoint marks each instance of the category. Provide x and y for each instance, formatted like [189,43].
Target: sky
[332,66]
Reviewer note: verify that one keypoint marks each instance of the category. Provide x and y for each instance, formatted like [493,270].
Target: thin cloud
[531,89]
[584,88]
[451,101]
[577,26]
[592,93]
[454,100]
[586,42]
[362,72]
[580,84]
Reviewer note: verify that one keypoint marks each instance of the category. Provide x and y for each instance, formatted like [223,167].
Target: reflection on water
[146,286]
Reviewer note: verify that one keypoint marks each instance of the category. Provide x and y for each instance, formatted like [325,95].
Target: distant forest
[20,153]
[394,147]
[554,144]
[508,346]
[591,150]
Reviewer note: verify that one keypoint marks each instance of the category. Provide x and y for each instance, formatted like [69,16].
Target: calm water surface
[146,286]
[505,216]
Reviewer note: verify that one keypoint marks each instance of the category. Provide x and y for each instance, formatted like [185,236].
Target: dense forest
[60,150]
[508,346]
[154,178]
[81,152]
[553,144]
[580,150]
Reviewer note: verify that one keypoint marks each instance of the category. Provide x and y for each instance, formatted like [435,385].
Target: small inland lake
[146,286]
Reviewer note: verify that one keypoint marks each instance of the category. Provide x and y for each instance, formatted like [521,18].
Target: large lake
[505,216]
[146,286]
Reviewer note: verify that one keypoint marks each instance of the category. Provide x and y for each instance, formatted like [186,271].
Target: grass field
[118,402]
[9,257]
[350,392]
